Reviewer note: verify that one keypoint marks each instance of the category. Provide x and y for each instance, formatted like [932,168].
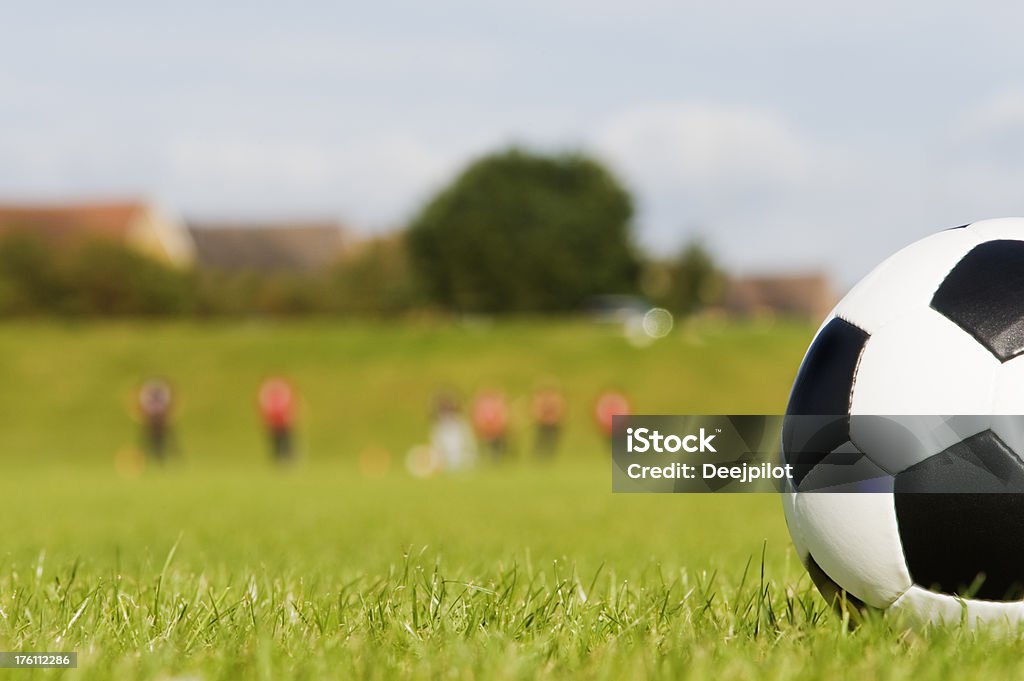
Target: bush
[92,277]
[377,280]
[30,277]
[686,284]
[107,279]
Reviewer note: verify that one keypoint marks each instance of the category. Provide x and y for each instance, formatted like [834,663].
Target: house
[281,247]
[803,296]
[139,224]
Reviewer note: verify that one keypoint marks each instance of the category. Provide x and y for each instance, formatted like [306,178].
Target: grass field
[66,389]
[220,568]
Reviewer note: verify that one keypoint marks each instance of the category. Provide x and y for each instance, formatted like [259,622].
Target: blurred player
[277,409]
[156,405]
[451,439]
[548,415]
[490,420]
[610,403]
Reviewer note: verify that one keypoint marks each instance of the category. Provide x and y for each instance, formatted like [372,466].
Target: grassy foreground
[522,574]
[219,568]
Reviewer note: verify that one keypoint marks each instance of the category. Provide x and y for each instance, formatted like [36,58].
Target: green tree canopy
[518,231]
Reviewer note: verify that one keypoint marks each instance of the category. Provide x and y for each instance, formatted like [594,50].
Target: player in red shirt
[490,420]
[610,403]
[277,409]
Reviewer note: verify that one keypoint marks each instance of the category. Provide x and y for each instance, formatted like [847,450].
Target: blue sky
[792,134]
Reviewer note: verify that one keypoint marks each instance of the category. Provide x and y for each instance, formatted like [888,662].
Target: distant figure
[451,438]
[156,404]
[548,415]
[610,403]
[277,409]
[490,420]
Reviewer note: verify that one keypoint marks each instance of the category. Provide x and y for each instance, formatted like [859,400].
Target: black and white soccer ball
[937,329]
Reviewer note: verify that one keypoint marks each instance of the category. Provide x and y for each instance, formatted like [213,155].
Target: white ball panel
[1008,395]
[924,364]
[905,282]
[793,524]
[923,607]
[998,228]
[855,540]
[1008,404]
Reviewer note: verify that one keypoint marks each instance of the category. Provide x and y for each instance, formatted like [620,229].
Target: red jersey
[610,404]
[490,415]
[277,403]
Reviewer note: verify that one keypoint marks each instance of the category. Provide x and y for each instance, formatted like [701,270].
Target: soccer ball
[937,329]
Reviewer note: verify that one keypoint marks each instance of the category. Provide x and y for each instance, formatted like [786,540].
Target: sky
[788,135]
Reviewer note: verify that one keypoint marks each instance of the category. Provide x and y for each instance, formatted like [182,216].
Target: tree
[518,231]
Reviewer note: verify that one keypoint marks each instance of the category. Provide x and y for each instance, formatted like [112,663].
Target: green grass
[66,389]
[220,568]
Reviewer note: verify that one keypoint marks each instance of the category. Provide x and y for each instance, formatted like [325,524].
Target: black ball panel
[823,388]
[984,295]
[960,515]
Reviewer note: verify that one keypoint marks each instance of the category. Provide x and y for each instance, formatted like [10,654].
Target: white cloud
[772,196]
[746,178]
[1004,109]
[991,135]
[705,148]
[373,182]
